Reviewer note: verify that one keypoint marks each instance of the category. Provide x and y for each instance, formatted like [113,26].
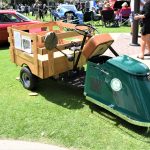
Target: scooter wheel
[27,79]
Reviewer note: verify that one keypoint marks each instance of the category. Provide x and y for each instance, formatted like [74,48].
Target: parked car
[68,12]
[9,18]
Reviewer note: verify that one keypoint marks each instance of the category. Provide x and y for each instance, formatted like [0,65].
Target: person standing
[87,5]
[145,31]
[26,9]
[36,9]
[142,2]
[41,11]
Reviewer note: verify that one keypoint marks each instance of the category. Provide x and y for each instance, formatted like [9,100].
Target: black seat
[108,18]
[87,16]
[90,17]
[96,18]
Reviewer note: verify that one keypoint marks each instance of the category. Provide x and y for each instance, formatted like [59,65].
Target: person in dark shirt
[87,5]
[41,11]
[145,30]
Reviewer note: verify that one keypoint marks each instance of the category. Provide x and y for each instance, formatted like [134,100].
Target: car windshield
[61,9]
[7,18]
[70,7]
[23,17]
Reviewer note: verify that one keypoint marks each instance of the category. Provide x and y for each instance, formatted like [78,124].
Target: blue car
[68,13]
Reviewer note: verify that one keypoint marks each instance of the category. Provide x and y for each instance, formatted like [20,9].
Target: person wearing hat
[124,12]
[124,5]
[107,6]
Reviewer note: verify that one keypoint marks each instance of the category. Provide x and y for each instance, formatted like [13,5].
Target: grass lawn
[123,29]
[60,115]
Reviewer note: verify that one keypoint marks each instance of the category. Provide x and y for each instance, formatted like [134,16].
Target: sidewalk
[122,43]
[22,145]
[122,46]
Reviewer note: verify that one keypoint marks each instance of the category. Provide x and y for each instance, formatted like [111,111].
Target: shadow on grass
[142,131]
[72,98]
[4,46]
[61,94]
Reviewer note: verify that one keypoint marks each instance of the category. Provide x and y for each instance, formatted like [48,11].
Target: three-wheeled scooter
[119,84]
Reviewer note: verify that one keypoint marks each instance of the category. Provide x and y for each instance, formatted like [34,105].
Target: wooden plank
[45,69]
[66,25]
[65,64]
[34,26]
[51,63]
[23,33]
[20,61]
[35,54]
[41,71]
[40,41]
[61,37]
[67,34]
[43,51]
[24,56]
[12,53]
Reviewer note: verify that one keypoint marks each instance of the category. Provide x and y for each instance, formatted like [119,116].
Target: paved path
[122,46]
[22,145]
[122,43]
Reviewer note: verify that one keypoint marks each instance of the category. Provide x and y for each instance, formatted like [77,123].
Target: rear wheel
[28,80]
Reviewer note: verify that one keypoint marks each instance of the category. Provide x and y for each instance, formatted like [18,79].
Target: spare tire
[51,40]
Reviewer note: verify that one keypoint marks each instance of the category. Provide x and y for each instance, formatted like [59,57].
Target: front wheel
[28,80]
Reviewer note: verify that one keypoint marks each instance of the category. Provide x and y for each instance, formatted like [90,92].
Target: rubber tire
[27,79]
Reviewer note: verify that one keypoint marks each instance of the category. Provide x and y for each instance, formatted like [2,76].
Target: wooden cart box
[27,48]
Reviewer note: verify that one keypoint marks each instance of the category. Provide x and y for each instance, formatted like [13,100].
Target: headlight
[116,84]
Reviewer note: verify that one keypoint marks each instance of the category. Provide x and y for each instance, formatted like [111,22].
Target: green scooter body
[120,85]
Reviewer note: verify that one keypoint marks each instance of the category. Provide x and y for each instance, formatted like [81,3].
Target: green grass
[121,29]
[60,115]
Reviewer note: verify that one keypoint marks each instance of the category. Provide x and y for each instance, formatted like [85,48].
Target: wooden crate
[27,48]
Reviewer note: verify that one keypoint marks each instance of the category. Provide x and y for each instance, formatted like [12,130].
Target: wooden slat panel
[32,26]
[23,33]
[60,36]
[65,64]
[21,61]
[12,53]
[35,54]
[43,51]
[41,69]
[67,34]
[51,63]
[65,25]
[24,56]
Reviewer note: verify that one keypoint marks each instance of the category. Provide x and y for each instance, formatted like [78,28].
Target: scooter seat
[97,45]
